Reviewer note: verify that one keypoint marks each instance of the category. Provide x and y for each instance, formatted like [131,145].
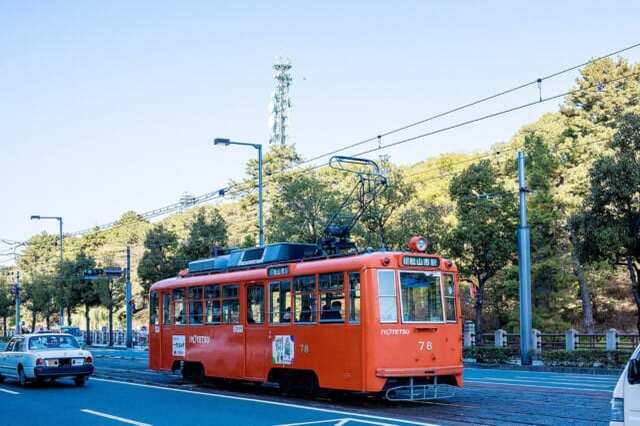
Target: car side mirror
[633,371]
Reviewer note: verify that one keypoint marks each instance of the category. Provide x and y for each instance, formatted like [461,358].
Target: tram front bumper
[452,370]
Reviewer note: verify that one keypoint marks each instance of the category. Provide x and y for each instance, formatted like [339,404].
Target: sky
[112,106]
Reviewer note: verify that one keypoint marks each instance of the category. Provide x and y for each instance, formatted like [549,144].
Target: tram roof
[379,259]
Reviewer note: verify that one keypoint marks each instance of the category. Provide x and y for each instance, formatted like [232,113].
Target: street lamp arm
[221,141]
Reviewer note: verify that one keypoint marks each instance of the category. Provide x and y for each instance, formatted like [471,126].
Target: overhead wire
[230,188]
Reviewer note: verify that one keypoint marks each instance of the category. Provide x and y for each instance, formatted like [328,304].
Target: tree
[111,295]
[483,241]
[376,219]
[609,228]
[39,298]
[159,260]
[6,301]
[300,208]
[207,230]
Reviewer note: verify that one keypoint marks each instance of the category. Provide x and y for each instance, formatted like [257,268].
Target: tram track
[487,406]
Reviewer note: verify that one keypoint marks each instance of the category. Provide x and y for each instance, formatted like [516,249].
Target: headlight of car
[617,410]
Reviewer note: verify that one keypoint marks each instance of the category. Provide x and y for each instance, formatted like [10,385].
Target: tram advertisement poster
[178,345]
[282,350]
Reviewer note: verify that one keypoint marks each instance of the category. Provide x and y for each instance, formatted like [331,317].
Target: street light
[59,219]
[227,142]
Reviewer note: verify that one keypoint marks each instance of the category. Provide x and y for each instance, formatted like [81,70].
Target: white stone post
[536,340]
[612,339]
[469,334]
[571,339]
[501,338]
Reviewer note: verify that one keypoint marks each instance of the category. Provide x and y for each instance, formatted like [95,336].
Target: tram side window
[166,304]
[195,305]
[178,306]
[280,306]
[153,308]
[387,296]
[255,305]
[212,297]
[449,298]
[305,299]
[332,297]
[354,297]
[231,304]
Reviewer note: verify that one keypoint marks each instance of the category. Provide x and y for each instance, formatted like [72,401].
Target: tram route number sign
[282,350]
[178,345]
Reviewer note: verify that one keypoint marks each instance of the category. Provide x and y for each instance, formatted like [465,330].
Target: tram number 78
[425,345]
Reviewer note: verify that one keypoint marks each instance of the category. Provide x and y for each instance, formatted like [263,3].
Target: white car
[625,404]
[38,357]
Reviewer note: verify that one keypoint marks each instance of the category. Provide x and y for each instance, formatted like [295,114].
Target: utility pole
[524,266]
[128,299]
[18,322]
[260,217]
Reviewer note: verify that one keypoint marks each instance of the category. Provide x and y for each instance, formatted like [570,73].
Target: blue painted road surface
[107,402]
[124,391]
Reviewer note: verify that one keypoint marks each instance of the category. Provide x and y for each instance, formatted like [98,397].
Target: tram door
[256,332]
[154,332]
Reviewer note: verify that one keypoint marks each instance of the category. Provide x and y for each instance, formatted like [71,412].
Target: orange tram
[375,322]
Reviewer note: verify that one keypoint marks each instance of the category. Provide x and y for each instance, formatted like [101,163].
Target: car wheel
[80,380]
[22,378]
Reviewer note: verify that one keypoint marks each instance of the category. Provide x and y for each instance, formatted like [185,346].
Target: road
[123,391]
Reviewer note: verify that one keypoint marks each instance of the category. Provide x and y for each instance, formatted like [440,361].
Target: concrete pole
[61,262]
[524,257]
[260,218]
[128,300]
[18,325]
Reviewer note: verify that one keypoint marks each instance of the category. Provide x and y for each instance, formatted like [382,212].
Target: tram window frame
[194,299]
[448,298]
[301,288]
[251,303]
[438,288]
[154,308]
[353,296]
[230,300]
[329,287]
[281,313]
[390,297]
[212,294]
[166,308]
[182,301]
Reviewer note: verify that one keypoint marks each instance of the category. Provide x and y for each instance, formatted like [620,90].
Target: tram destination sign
[420,261]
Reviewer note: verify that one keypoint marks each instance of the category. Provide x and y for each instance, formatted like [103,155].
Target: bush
[583,358]
[491,355]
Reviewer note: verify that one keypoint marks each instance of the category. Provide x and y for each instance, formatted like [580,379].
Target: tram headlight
[418,244]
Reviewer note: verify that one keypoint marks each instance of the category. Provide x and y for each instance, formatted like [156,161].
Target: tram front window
[421,297]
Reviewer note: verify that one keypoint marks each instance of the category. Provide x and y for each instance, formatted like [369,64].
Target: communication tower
[280,101]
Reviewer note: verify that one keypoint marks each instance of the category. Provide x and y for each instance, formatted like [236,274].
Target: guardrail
[101,338]
[571,340]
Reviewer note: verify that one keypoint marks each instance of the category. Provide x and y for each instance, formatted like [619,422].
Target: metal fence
[571,340]
[140,338]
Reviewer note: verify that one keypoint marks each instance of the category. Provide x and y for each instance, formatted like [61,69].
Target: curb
[548,369]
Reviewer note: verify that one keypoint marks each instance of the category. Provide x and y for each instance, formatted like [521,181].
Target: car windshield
[53,342]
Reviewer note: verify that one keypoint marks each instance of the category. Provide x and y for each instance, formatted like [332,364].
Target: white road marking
[548,381]
[577,379]
[536,386]
[109,416]
[267,402]
[339,422]
[311,423]
[9,391]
